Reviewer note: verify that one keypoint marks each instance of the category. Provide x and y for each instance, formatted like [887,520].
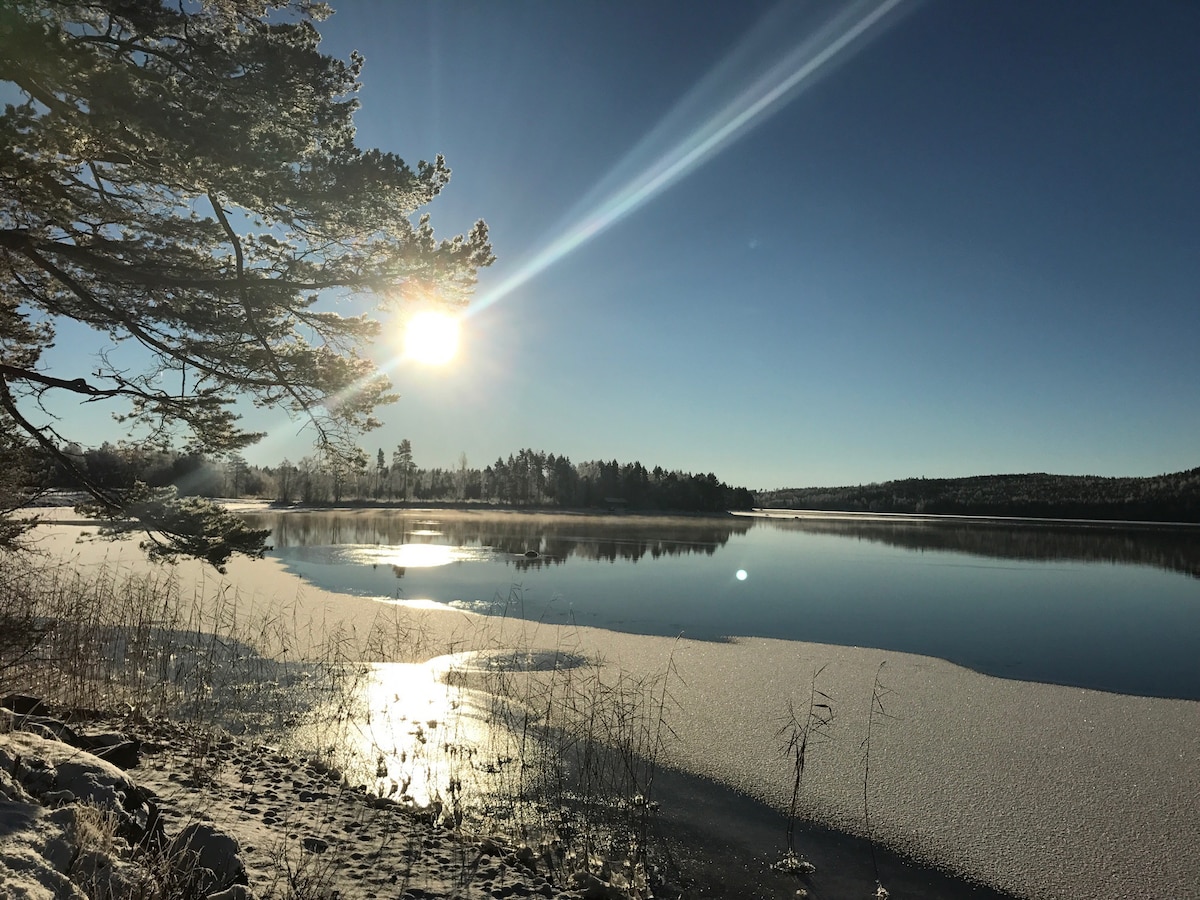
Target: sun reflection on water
[416,556]
[440,734]
[411,732]
[529,738]
[416,733]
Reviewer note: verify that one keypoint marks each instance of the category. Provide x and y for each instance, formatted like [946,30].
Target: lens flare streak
[767,93]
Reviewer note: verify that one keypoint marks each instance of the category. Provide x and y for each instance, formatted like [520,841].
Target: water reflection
[405,540]
[1103,607]
[451,735]
[522,541]
[405,731]
[412,556]
[1175,548]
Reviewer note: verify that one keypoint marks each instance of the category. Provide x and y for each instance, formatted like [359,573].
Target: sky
[802,244]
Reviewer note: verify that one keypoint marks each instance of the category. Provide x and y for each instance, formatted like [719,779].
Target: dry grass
[558,751]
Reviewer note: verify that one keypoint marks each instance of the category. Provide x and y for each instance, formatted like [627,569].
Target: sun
[431,337]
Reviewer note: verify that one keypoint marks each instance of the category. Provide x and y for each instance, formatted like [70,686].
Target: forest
[1161,498]
[528,478]
[536,479]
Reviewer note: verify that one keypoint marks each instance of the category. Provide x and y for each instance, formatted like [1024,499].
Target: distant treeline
[527,478]
[543,479]
[1162,498]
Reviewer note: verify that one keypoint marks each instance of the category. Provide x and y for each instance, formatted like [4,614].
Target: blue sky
[969,244]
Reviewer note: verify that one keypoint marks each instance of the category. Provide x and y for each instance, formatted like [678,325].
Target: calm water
[1097,607]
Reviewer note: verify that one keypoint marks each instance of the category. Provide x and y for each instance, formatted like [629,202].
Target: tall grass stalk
[876,711]
[573,751]
[800,734]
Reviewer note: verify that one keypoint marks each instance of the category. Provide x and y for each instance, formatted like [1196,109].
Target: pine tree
[184,179]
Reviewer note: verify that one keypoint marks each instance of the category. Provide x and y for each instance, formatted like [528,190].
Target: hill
[1161,498]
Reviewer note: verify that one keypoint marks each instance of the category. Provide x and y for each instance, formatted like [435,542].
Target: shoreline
[1039,790]
[57,513]
[847,515]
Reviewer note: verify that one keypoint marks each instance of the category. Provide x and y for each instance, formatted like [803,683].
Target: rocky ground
[199,813]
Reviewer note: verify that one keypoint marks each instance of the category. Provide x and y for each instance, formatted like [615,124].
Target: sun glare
[431,337]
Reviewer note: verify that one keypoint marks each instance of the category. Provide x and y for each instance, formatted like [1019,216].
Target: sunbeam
[767,89]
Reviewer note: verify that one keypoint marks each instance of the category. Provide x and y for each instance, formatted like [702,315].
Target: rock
[49,728]
[60,849]
[51,769]
[592,888]
[315,844]
[526,857]
[201,847]
[57,798]
[116,749]
[119,749]
[23,705]
[489,847]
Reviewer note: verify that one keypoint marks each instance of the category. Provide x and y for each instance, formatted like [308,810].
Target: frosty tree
[185,178]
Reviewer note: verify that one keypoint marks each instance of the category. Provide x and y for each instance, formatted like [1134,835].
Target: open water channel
[1110,607]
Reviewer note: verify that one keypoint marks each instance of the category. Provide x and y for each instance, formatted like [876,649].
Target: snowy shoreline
[1038,790]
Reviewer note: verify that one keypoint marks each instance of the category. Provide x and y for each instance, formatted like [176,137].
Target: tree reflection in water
[533,541]
[1175,548]
[529,541]
[1108,606]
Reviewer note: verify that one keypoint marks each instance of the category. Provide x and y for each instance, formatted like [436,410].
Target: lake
[1115,608]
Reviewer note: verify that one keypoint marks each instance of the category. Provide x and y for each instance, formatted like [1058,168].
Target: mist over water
[1108,608]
